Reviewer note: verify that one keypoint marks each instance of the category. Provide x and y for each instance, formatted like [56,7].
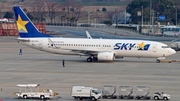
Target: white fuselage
[121,48]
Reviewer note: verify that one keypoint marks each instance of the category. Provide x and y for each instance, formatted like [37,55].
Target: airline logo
[129,46]
[143,46]
[21,24]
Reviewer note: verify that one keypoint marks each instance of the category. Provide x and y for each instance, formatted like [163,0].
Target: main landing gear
[90,59]
[158,61]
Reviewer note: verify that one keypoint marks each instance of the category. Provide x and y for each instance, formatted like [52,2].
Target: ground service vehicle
[161,96]
[108,91]
[170,30]
[142,92]
[125,92]
[82,92]
[32,91]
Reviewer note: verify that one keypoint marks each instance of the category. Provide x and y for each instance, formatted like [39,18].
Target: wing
[87,51]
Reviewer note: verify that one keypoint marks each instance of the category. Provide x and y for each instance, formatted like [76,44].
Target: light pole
[176,14]
[125,16]
[88,16]
[150,9]
[95,23]
[142,17]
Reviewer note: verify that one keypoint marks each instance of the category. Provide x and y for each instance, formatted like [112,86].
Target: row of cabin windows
[90,45]
[82,45]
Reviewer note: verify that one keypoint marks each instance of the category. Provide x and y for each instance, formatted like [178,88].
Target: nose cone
[172,51]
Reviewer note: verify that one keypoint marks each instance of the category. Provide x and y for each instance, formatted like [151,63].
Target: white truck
[33,91]
[161,96]
[82,92]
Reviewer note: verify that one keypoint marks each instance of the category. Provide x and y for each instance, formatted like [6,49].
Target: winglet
[25,26]
[88,35]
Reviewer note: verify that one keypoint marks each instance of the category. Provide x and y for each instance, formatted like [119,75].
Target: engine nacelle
[105,56]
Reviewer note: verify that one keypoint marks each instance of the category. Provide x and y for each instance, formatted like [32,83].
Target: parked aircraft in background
[95,49]
[176,45]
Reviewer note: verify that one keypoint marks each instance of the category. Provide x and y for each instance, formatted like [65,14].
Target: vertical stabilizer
[25,26]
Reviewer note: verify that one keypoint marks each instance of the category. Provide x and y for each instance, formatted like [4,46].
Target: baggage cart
[125,92]
[108,91]
[142,92]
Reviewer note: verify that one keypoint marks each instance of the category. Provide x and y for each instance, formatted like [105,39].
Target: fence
[10,29]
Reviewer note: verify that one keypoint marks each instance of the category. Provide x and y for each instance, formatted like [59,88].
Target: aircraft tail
[25,26]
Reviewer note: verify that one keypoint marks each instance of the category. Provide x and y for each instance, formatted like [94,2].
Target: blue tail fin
[25,26]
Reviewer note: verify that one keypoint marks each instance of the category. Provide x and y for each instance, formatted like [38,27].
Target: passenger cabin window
[165,47]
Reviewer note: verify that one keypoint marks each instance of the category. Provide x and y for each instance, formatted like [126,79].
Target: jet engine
[105,56]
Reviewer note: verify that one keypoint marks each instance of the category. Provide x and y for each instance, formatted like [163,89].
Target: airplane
[176,45]
[95,49]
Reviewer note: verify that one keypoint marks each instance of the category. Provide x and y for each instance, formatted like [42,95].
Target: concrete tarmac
[37,67]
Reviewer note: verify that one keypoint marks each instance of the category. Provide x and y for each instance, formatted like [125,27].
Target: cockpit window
[165,47]
[96,91]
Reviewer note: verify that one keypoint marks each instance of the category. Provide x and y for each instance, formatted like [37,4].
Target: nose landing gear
[158,61]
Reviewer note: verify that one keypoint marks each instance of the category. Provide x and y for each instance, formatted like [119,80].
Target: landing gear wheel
[158,61]
[95,59]
[42,97]
[89,59]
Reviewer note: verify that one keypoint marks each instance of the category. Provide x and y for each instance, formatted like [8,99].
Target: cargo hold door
[40,45]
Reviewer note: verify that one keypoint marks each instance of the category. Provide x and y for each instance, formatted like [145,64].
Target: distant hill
[105,2]
[94,8]
[8,4]
[90,2]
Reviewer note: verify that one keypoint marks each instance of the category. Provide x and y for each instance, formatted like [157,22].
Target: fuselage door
[154,47]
